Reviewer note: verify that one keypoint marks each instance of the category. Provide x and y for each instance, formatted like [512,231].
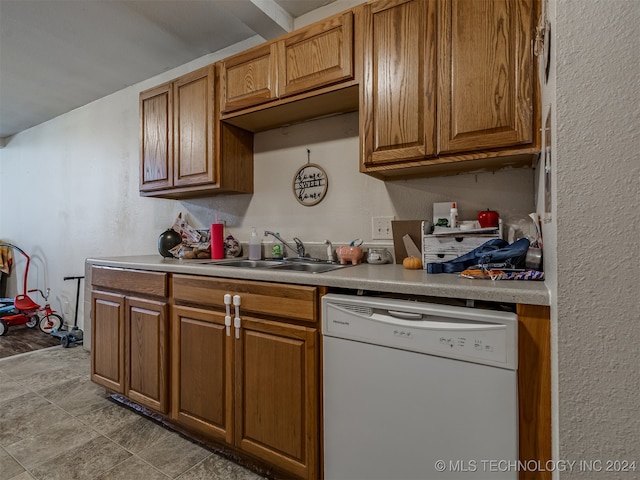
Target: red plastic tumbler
[217,241]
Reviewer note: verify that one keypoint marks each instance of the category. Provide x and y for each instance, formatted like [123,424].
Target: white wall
[598,218]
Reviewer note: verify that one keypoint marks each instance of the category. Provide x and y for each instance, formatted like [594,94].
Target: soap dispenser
[277,249]
[255,246]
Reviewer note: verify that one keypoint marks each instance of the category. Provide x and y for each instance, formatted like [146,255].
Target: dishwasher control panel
[480,336]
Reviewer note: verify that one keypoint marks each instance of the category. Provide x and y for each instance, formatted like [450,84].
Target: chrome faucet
[331,258]
[299,248]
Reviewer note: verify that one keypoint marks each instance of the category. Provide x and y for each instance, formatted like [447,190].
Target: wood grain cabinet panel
[130,334]
[185,151]
[316,56]
[319,55]
[398,91]
[448,86]
[486,74]
[156,138]
[255,387]
[249,78]
[107,342]
[202,372]
[147,342]
[292,302]
[194,134]
[277,395]
[534,388]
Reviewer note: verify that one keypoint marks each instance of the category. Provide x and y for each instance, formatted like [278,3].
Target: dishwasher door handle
[405,315]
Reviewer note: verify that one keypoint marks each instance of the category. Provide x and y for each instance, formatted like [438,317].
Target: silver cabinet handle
[237,323]
[227,318]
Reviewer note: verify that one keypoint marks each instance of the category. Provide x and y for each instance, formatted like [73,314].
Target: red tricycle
[23,310]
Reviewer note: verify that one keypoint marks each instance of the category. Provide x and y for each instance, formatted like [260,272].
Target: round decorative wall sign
[310,184]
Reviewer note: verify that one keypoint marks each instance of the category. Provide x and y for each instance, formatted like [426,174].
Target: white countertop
[383,278]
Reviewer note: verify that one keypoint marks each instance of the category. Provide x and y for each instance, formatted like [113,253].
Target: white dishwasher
[418,391]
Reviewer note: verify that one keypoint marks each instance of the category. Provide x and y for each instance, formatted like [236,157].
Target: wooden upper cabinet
[156,138]
[249,78]
[486,74]
[177,134]
[316,56]
[194,133]
[399,81]
[185,151]
[309,58]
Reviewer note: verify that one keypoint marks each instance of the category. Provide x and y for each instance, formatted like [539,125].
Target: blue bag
[493,251]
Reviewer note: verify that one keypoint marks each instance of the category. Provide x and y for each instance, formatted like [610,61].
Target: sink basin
[308,267]
[249,263]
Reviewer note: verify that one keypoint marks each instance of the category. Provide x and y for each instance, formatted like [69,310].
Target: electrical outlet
[381,228]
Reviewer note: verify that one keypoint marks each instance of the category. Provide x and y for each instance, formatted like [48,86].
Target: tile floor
[55,424]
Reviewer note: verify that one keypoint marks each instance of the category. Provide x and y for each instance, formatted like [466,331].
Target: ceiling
[57,55]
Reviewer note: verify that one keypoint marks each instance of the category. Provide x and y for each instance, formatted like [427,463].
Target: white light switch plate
[381,228]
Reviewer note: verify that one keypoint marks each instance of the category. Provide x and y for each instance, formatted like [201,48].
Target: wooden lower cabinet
[130,335]
[147,355]
[202,372]
[254,388]
[534,388]
[277,395]
[107,342]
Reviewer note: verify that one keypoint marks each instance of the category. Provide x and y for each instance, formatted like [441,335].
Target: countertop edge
[381,278]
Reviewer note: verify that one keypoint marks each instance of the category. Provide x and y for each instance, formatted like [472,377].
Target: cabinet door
[398,91]
[249,78]
[107,340]
[194,119]
[147,353]
[277,395]
[156,138]
[316,56]
[486,74]
[202,372]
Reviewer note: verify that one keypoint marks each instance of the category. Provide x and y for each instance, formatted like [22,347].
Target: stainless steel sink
[309,267]
[249,263]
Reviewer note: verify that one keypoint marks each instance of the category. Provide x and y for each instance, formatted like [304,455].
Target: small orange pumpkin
[412,263]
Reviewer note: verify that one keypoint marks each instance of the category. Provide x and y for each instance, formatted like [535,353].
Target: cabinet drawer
[137,281]
[283,301]
[438,245]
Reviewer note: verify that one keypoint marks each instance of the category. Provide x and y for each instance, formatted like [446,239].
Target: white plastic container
[453,216]
[255,246]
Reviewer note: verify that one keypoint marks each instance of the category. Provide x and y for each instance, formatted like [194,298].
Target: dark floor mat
[20,339]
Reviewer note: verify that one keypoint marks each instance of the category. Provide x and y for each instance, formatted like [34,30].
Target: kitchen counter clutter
[389,278]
